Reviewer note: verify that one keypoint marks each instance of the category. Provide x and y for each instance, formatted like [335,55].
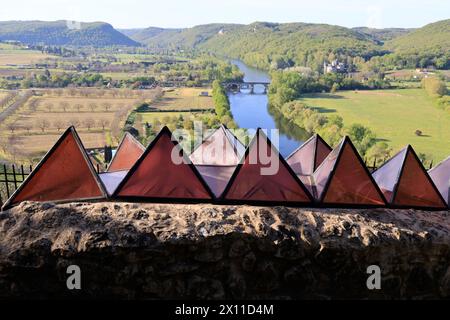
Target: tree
[64,105]
[59,124]
[362,137]
[92,106]
[43,124]
[89,123]
[334,88]
[103,123]
[27,126]
[12,126]
[78,107]
[106,106]
[434,86]
[378,153]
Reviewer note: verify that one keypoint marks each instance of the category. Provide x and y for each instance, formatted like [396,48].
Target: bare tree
[27,126]
[106,106]
[89,123]
[103,123]
[78,107]
[43,124]
[64,105]
[92,106]
[59,124]
[12,126]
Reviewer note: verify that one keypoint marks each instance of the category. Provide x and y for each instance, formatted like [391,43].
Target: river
[252,111]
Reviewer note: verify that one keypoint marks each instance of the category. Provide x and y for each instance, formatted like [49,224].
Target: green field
[150,116]
[394,115]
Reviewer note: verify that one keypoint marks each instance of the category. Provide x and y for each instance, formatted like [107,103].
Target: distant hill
[265,45]
[98,34]
[148,35]
[432,37]
[383,35]
[261,42]
[179,38]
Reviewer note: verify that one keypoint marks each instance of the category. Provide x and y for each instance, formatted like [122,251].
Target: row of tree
[437,90]
[43,124]
[289,85]
[222,105]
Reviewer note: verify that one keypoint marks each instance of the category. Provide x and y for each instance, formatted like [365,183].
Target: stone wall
[149,251]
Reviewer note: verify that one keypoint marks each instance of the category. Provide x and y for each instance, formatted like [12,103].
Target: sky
[188,13]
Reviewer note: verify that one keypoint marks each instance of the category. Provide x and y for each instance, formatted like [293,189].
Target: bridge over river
[247,85]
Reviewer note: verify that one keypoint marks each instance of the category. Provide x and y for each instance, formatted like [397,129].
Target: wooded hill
[55,33]
[262,44]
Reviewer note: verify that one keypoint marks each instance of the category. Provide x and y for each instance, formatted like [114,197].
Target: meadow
[394,115]
[20,57]
[152,116]
[184,99]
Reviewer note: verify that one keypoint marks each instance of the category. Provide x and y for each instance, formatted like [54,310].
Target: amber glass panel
[65,175]
[415,189]
[251,184]
[126,156]
[351,183]
[157,176]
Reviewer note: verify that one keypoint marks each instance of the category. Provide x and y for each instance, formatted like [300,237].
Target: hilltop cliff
[151,251]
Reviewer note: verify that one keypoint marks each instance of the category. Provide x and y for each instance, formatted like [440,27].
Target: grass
[150,116]
[17,57]
[394,115]
[123,75]
[184,99]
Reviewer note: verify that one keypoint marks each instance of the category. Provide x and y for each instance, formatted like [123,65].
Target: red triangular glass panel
[128,152]
[265,176]
[65,173]
[158,175]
